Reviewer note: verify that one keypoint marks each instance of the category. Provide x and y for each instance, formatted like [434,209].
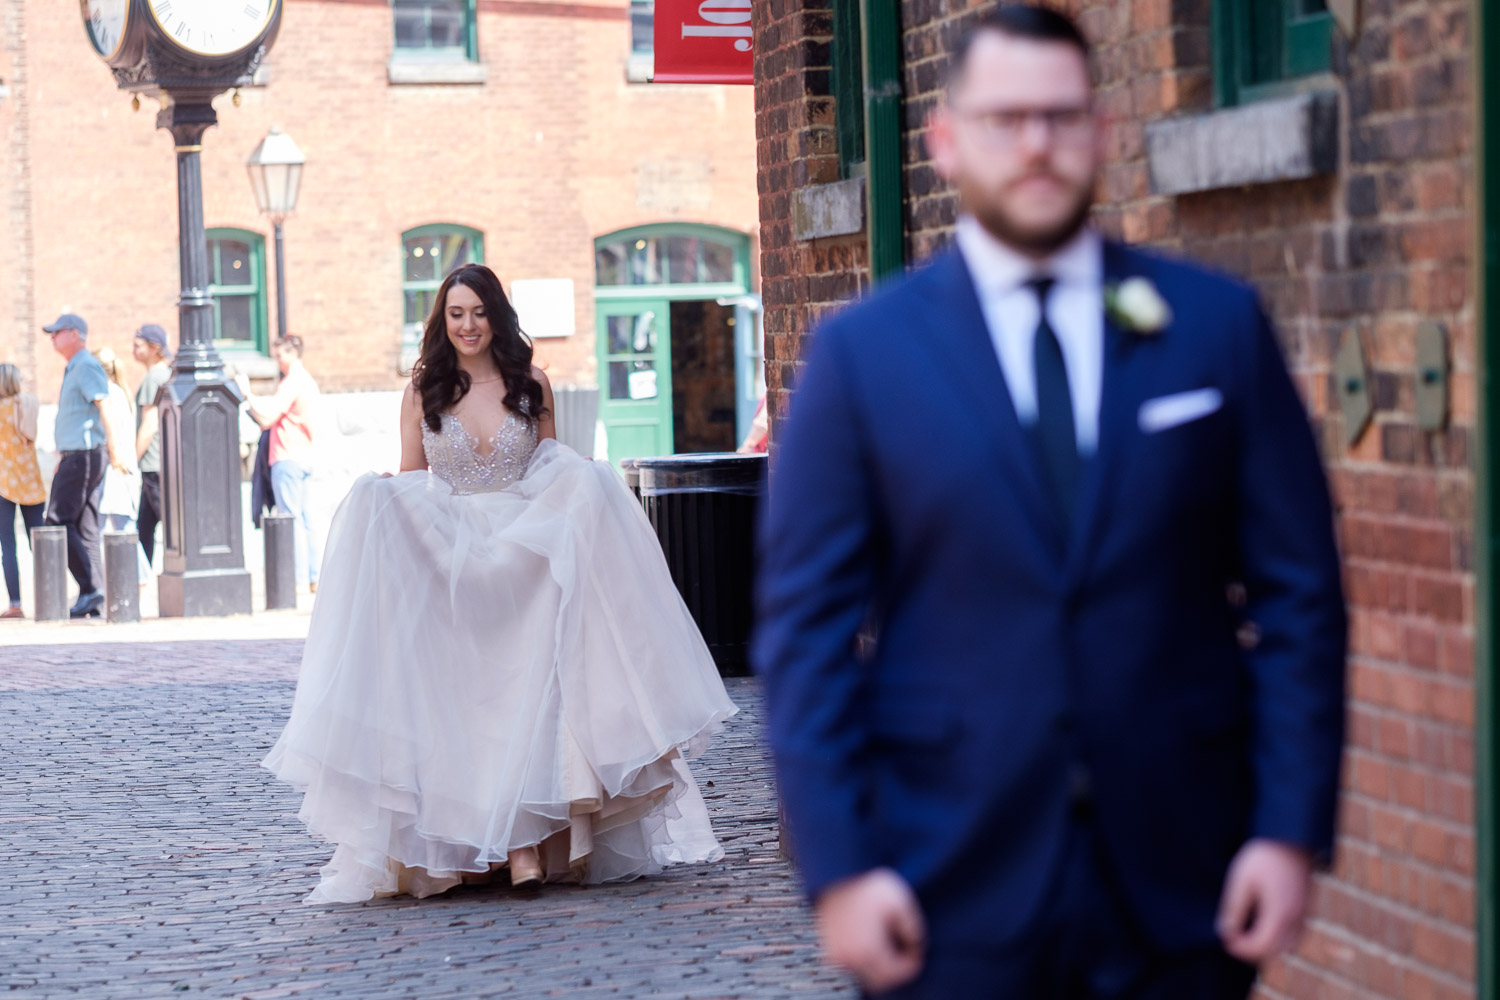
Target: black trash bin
[632,475]
[703,508]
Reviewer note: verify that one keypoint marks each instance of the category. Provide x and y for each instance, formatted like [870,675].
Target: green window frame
[848,86]
[671,260]
[452,246]
[1263,47]
[237,283]
[420,27]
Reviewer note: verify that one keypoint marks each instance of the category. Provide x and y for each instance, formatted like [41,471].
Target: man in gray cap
[150,350]
[84,447]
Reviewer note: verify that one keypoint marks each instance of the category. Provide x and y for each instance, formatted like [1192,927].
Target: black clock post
[201,472]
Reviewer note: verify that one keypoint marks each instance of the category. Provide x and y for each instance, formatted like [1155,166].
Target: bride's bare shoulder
[540,376]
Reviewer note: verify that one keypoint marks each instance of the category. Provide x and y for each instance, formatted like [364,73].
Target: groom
[1035,469]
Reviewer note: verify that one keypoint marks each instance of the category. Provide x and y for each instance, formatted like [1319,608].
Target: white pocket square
[1166,412]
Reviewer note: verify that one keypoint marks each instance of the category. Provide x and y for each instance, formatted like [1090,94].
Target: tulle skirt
[491,671]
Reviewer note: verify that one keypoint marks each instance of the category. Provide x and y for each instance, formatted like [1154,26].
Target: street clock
[180,45]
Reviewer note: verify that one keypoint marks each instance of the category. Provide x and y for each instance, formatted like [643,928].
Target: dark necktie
[1056,436]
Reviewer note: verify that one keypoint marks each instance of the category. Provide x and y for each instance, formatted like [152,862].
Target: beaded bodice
[454,456]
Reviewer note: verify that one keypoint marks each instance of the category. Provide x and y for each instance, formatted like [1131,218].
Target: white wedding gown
[498,658]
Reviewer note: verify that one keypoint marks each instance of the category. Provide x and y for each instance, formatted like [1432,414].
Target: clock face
[212,27]
[106,23]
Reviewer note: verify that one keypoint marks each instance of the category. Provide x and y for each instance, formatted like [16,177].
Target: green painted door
[635,377]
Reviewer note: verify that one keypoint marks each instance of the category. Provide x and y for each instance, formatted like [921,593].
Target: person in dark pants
[1056,773]
[84,450]
[20,478]
[150,350]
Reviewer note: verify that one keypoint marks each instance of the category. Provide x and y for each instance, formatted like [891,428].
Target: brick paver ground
[143,853]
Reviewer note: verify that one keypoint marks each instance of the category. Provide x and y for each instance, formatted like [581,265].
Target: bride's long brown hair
[437,376]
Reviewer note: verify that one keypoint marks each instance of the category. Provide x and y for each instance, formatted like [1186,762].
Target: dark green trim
[884,225]
[1261,45]
[705,290]
[848,84]
[411,332]
[259,323]
[1487,559]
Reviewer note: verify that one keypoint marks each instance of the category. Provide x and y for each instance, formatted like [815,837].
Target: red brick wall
[554,150]
[1378,247]
[796,146]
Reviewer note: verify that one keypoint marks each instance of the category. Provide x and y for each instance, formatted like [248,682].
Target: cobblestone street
[148,855]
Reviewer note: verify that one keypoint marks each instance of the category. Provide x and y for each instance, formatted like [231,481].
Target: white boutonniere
[1135,305]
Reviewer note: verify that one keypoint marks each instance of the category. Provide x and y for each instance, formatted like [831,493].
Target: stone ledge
[1282,139]
[406,70]
[829,210]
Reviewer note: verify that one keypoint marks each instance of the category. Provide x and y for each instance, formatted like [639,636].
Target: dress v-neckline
[475,441]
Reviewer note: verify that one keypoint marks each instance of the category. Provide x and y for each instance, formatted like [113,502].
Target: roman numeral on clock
[252,12]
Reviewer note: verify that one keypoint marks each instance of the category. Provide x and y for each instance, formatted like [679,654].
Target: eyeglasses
[1004,127]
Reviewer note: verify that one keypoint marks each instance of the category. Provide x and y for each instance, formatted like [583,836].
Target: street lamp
[275,174]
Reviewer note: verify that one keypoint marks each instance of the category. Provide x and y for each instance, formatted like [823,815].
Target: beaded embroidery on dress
[498,658]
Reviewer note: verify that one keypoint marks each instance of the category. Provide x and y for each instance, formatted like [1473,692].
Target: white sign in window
[545,306]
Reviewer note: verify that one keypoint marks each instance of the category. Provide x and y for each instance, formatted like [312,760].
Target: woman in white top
[120,499]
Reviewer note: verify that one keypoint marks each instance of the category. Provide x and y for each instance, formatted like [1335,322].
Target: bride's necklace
[484,381]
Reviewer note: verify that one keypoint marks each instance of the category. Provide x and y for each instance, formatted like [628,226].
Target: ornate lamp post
[185,53]
[275,175]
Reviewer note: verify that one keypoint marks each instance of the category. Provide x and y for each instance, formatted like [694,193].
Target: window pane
[446,22]
[422,259]
[455,250]
[682,259]
[642,20]
[422,24]
[609,265]
[631,334]
[718,262]
[632,380]
[234,317]
[645,262]
[234,263]
[411,24]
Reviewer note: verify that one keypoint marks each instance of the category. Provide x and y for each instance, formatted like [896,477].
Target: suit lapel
[1125,361]
[961,341]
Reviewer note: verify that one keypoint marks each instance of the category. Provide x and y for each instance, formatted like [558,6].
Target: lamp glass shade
[275,170]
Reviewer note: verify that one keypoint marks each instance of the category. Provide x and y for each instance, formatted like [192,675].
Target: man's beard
[1027,239]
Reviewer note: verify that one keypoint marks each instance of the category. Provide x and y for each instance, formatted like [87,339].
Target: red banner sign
[704,41]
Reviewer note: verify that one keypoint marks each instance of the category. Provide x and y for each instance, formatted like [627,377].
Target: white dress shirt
[1075,311]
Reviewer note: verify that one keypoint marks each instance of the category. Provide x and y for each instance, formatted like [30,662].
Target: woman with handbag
[20,478]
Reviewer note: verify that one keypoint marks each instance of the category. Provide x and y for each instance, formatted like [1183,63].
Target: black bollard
[49,561]
[281,561]
[122,578]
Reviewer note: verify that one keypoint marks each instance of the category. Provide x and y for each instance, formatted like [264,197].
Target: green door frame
[1487,558]
[609,299]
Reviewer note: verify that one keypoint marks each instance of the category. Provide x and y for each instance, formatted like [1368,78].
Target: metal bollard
[281,561]
[122,579]
[49,562]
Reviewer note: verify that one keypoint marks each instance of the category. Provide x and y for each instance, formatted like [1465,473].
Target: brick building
[436,131]
[1355,214]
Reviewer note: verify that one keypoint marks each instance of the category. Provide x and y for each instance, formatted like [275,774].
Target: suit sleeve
[1295,596]
[815,581]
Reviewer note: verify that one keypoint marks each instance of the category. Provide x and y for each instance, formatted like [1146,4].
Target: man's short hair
[1029,21]
[290,340]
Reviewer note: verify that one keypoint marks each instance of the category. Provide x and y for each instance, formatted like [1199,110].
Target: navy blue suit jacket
[1015,660]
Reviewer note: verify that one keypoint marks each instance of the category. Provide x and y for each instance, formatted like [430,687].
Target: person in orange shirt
[288,414]
[20,477]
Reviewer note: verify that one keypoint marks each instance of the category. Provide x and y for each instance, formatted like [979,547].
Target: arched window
[428,254]
[237,282]
[670,255]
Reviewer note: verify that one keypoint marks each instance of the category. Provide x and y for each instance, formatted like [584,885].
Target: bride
[498,671]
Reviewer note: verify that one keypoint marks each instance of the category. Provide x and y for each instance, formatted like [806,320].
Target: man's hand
[872,925]
[1264,901]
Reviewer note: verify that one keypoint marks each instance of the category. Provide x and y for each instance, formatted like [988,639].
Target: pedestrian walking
[1027,474]
[120,495]
[289,414]
[499,671]
[20,478]
[85,450]
[149,348]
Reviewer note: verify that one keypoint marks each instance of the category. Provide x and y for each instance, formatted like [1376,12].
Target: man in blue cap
[84,449]
[150,350]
